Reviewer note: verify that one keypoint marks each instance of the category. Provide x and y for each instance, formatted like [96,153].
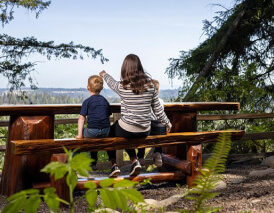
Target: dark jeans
[95,133]
[156,129]
[117,131]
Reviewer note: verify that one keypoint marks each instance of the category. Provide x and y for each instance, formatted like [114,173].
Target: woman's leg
[117,131]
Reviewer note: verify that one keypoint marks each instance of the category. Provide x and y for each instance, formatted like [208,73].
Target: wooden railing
[149,157]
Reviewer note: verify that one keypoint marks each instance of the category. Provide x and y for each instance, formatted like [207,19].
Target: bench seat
[184,167]
[27,147]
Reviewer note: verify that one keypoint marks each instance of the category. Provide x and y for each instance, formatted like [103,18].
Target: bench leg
[20,172]
[62,190]
[194,155]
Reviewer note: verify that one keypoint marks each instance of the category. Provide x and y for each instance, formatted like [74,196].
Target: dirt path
[241,192]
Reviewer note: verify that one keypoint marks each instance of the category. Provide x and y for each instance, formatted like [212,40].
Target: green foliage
[114,195]
[7,8]
[253,98]
[241,72]
[30,199]
[206,182]
[14,50]
[3,137]
[250,42]
[79,163]
[243,68]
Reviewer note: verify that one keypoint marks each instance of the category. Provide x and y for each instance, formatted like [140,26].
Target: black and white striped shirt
[136,109]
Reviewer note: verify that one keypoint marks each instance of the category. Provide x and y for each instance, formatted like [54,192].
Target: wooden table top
[50,109]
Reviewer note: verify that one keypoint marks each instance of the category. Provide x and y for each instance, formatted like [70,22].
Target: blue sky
[155,30]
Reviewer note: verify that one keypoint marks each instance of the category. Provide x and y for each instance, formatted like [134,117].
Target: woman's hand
[102,73]
[79,137]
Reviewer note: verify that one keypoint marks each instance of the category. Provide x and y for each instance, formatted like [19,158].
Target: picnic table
[28,122]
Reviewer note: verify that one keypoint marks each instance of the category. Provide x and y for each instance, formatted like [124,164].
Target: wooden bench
[182,168]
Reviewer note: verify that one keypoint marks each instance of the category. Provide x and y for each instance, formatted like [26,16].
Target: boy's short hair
[95,83]
[156,84]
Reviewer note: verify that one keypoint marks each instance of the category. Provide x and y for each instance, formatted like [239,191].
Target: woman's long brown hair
[133,75]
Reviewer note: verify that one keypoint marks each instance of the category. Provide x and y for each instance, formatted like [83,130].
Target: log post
[185,122]
[62,189]
[181,122]
[194,155]
[182,165]
[25,170]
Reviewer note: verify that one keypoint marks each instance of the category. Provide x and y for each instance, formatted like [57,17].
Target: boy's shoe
[135,169]
[142,161]
[93,166]
[158,159]
[115,171]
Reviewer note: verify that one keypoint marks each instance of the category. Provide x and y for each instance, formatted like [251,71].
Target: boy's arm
[81,122]
[159,112]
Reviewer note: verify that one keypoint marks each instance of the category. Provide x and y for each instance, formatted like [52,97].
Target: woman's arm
[111,82]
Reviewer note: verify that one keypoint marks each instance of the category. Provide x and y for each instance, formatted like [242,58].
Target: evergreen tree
[236,62]
[14,50]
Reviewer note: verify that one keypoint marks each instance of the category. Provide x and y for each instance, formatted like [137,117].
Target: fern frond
[207,181]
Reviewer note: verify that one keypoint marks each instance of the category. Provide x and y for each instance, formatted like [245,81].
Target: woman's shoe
[135,169]
[115,171]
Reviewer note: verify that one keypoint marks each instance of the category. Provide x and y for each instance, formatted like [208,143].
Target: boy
[97,110]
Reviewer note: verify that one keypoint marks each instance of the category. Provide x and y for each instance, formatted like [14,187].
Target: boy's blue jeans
[95,133]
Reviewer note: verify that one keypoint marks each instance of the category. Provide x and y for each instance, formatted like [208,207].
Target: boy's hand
[79,137]
[168,128]
[102,73]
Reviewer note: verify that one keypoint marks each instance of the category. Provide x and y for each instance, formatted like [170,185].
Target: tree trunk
[207,68]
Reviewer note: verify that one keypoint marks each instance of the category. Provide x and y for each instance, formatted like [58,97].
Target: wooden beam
[234,116]
[153,177]
[257,136]
[52,109]
[2,148]
[4,123]
[23,147]
[182,165]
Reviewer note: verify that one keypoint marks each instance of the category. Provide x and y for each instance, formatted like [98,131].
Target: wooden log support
[181,122]
[27,147]
[182,165]
[25,170]
[62,189]
[154,178]
[194,155]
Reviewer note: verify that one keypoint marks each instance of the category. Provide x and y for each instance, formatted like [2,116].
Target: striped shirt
[136,109]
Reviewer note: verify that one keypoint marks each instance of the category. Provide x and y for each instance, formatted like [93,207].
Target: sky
[155,30]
